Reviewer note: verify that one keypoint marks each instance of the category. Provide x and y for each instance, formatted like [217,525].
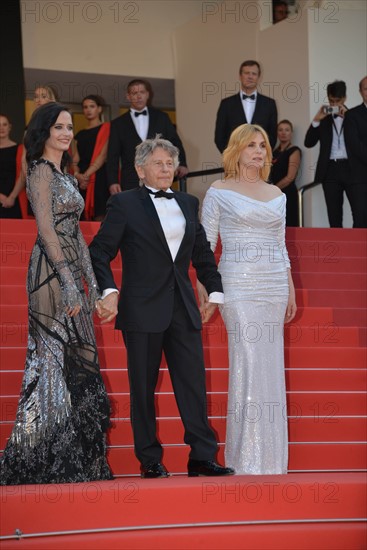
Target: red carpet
[319,504]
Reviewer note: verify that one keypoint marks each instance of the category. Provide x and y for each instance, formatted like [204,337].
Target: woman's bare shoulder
[218,184]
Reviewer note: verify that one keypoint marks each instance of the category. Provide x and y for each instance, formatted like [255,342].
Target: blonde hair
[240,138]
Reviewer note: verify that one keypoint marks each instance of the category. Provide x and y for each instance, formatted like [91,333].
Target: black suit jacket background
[323,134]
[150,275]
[231,115]
[355,131]
[124,139]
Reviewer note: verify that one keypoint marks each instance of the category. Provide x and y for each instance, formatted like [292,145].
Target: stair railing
[301,192]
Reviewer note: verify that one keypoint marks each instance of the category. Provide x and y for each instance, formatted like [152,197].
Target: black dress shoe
[155,469]
[207,468]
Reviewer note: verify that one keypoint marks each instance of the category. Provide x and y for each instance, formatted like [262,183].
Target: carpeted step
[316,429]
[241,512]
[216,361]
[302,457]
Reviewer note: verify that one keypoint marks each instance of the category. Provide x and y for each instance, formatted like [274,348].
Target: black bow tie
[252,96]
[141,113]
[336,116]
[161,194]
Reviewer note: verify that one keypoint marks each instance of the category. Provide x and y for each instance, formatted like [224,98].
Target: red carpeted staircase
[319,504]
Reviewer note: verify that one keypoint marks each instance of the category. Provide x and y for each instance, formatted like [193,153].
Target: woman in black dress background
[286,163]
[9,154]
[89,159]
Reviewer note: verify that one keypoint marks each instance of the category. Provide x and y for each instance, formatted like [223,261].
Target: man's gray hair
[147,148]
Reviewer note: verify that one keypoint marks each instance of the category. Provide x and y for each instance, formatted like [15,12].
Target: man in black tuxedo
[128,130]
[333,168]
[158,234]
[356,142]
[247,107]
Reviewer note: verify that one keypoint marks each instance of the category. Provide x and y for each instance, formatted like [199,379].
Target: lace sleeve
[40,197]
[88,273]
[210,219]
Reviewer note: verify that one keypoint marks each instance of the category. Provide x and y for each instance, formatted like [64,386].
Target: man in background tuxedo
[128,130]
[247,107]
[356,142]
[158,234]
[333,168]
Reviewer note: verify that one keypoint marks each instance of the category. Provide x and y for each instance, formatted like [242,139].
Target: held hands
[6,202]
[83,180]
[207,311]
[107,308]
[206,308]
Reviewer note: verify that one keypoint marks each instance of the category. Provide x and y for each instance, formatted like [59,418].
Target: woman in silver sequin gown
[63,412]
[249,216]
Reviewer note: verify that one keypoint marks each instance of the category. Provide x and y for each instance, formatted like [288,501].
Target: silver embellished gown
[63,412]
[253,267]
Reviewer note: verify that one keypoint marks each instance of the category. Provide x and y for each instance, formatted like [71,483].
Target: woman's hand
[291,306]
[83,180]
[7,202]
[73,311]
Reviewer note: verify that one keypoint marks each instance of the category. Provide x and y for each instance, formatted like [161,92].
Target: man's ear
[140,171]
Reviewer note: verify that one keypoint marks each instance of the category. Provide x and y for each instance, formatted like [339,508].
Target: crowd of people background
[134,160]
[103,152]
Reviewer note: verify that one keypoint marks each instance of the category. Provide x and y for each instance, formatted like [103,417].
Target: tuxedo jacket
[355,132]
[231,115]
[150,277]
[323,134]
[124,139]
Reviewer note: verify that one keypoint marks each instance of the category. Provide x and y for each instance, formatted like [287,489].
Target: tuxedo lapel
[259,106]
[152,128]
[240,110]
[153,217]
[190,224]
[130,127]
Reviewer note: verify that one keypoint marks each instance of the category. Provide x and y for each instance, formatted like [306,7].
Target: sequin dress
[63,412]
[253,267]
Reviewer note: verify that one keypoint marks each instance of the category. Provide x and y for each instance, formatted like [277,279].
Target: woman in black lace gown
[63,412]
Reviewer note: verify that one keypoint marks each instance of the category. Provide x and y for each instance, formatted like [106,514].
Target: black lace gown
[63,412]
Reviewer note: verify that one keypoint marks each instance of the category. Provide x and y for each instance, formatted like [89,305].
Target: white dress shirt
[141,122]
[338,149]
[249,105]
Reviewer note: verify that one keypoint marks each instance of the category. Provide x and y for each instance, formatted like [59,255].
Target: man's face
[280,13]
[249,77]
[138,97]
[336,101]
[363,90]
[159,170]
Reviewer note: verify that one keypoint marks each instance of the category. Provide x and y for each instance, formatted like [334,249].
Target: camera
[331,110]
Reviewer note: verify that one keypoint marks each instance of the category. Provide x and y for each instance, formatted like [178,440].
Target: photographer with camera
[333,168]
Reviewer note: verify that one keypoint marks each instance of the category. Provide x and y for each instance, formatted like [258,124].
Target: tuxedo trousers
[338,180]
[183,350]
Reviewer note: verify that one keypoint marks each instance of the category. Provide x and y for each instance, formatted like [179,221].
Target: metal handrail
[183,181]
[301,192]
